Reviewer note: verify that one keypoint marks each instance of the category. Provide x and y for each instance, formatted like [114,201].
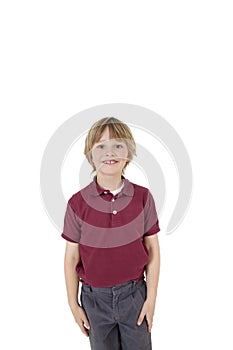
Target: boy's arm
[72,285]
[152,278]
[71,276]
[153,267]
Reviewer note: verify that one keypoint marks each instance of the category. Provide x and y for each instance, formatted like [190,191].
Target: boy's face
[109,156]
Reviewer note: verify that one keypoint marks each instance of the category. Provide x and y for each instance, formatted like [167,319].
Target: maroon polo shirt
[110,229]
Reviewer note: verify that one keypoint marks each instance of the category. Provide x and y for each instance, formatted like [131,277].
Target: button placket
[115,216]
[114,211]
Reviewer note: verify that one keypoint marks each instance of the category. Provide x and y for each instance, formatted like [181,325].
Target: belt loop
[87,287]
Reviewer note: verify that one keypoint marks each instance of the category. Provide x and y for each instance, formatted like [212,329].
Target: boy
[110,227]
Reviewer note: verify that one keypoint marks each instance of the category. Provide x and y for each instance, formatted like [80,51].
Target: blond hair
[117,130]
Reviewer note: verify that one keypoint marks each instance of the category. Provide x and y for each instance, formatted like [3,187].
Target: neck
[109,182]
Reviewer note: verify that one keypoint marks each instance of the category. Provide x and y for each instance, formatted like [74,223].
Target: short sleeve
[151,222]
[71,229]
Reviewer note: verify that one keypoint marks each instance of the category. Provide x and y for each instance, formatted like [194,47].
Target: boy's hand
[148,311]
[81,318]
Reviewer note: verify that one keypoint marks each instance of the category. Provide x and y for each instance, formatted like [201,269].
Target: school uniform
[109,227]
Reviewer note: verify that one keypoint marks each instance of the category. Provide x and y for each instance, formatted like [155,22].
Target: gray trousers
[113,313]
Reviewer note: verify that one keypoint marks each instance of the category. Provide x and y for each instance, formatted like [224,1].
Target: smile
[110,162]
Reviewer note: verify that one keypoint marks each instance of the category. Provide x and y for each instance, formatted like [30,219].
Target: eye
[119,146]
[100,146]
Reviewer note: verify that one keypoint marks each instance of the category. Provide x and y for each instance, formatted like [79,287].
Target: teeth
[110,162]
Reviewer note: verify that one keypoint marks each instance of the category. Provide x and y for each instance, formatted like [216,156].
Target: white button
[113,200]
[114,212]
[105,192]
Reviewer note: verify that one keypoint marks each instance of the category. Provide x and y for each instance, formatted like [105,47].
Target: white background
[61,57]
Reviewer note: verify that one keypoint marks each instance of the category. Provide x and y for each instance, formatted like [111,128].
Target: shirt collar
[127,190]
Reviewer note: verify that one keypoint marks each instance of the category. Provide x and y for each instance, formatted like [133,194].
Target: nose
[109,150]
[109,153]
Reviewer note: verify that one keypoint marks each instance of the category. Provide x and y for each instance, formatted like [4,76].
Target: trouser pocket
[87,300]
[138,295]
